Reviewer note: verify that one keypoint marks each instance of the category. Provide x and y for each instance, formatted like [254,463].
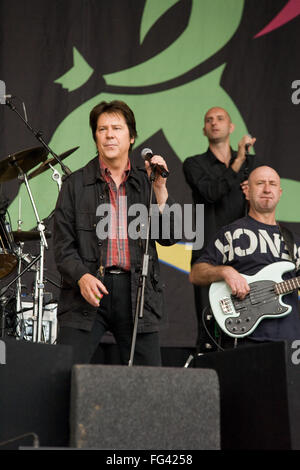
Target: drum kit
[13,261]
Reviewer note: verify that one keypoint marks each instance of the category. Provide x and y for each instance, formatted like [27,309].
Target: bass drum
[8,260]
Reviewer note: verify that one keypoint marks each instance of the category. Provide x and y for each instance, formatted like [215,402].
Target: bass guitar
[239,318]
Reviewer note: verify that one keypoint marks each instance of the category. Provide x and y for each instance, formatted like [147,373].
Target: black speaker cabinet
[142,408]
[35,382]
[259,395]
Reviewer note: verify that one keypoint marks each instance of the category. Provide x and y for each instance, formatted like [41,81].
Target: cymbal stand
[28,259]
[38,299]
[39,279]
[39,286]
[56,176]
[19,281]
[20,256]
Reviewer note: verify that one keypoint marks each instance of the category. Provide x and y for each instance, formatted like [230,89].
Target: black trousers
[114,315]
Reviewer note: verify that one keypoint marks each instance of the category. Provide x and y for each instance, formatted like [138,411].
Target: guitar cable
[192,356]
[207,331]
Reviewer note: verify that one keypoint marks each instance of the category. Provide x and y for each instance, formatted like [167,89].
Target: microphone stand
[139,310]
[38,135]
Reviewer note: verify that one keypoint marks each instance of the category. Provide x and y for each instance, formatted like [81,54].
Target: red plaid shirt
[117,243]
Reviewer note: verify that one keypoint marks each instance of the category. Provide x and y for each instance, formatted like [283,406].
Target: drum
[8,260]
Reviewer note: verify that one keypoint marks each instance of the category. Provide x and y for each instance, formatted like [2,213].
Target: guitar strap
[289,241]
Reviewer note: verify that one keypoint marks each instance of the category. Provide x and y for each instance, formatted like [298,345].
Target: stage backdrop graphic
[170,61]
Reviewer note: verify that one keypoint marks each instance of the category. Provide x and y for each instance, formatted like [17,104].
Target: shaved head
[216,110]
[263,172]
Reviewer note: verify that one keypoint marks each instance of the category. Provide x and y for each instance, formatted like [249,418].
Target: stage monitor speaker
[35,384]
[142,408]
[259,395]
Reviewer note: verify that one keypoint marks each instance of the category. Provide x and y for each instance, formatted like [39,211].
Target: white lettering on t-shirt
[252,241]
[266,241]
[262,242]
[225,248]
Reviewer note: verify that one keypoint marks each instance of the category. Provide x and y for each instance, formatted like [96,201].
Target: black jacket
[78,250]
[218,188]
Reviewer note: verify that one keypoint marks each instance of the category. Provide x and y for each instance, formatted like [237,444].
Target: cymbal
[51,161]
[26,160]
[30,235]
[8,263]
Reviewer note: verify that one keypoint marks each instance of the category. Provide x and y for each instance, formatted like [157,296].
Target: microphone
[4,98]
[147,154]
[247,146]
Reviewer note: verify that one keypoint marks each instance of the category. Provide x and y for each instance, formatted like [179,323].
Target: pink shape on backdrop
[288,13]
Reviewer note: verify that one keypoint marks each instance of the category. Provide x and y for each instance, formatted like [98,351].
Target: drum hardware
[17,257]
[14,166]
[18,165]
[11,318]
[24,327]
[49,164]
[19,222]
[38,323]
[26,160]
[8,315]
[21,256]
[27,310]
[27,236]
[4,298]
[46,150]
[38,135]
[39,282]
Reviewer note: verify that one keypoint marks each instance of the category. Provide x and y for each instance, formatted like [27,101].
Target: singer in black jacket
[101,268]
[217,178]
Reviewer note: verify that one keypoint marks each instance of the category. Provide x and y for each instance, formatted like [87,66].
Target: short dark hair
[111,107]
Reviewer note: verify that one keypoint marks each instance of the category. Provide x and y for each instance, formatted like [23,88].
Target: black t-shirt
[248,245]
